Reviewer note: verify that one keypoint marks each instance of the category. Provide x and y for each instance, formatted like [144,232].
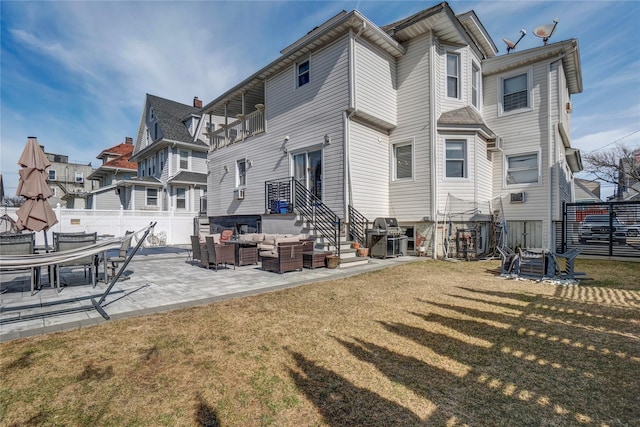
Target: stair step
[353,262]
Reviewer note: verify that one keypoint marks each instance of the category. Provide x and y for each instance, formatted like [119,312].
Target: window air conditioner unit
[497,144]
[239,194]
[517,197]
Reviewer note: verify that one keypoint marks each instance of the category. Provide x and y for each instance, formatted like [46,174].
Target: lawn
[427,343]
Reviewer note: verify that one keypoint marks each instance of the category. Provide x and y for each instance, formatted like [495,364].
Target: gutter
[433,162]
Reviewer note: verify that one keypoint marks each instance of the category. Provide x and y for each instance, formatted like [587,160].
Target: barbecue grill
[386,239]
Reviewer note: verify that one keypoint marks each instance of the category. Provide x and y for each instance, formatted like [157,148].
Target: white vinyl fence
[172,228]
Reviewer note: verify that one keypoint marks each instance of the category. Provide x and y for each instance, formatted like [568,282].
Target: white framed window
[453,75]
[184,159]
[181,198]
[161,160]
[241,173]
[455,158]
[522,168]
[476,82]
[152,197]
[516,93]
[402,161]
[302,72]
[52,175]
[79,177]
[54,191]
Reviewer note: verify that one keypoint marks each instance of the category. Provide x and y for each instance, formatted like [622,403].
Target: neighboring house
[628,188]
[587,191]
[389,121]
[112,176]
[171,158]
[68,181]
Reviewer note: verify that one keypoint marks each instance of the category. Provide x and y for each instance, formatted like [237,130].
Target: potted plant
[355,245]
[363,252]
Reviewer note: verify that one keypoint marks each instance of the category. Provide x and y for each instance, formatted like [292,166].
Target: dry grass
[430,343]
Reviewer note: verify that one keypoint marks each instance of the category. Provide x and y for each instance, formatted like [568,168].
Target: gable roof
[170,116]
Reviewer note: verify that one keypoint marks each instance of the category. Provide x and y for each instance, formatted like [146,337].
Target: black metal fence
[602,229]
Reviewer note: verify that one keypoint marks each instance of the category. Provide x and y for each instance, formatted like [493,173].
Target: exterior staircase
[315,218]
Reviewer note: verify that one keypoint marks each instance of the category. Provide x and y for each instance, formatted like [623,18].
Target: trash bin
[279,206]
[404,242]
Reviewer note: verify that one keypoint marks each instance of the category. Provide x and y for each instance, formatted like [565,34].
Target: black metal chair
[122,254]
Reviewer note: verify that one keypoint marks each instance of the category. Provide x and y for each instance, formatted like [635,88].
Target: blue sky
[75,73]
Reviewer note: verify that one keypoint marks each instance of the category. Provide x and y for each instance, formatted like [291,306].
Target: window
[453,72]
[53,191]
[181,198]
[303,73]
[403,161]
[475,86]
[79,177]
[241,173]
[184,159]
[52,175]
[161,160]
[152,197]
[455,154]
[515,93]
[522,169]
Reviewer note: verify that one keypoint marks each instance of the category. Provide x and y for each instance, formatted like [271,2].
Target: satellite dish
[511,45]
[546,31]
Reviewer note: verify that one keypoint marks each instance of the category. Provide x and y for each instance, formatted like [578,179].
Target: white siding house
[393,121]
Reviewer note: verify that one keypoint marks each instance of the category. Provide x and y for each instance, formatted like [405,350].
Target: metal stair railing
[358,225]
[302,201]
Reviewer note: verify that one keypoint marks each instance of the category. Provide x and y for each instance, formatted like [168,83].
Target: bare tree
[15,202]
[619,165]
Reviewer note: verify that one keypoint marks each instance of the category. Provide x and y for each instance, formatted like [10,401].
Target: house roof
[188,177]
[583,192]
[170,116]
[121,161]
[464,118]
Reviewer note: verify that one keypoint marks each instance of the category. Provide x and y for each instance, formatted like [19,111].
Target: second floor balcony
[244,126]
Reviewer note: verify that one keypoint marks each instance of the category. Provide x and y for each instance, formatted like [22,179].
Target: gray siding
[375,83]
[369,153]
[410,200]
[304,114]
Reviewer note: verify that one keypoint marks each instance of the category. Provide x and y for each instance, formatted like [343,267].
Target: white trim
[478,87]
[505,157]
[401,143]
[448,52]
[296,74]
[465,159]
[500,86]
[189,156]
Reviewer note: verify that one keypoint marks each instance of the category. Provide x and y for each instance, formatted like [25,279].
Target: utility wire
[614,142]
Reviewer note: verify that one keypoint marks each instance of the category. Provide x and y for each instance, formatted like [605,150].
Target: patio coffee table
[314,259]
[246,252]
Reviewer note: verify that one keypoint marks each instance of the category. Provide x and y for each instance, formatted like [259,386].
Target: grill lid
[388,225]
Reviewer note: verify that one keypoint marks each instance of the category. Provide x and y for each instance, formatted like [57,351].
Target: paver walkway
[160,280]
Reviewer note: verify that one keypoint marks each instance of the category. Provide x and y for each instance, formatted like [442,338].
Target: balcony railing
[238,130]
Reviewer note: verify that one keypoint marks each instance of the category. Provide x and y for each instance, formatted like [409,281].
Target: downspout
[434,163]
[348,190]
[550,159]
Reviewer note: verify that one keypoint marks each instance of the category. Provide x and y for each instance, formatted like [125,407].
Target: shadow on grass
[341,403]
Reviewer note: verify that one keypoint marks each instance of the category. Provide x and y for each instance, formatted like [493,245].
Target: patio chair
[196,253]
[122,254]
[509,260]
[67,241]
[288,258]
[217,253]
[563,264]
[532,264]
[20,244]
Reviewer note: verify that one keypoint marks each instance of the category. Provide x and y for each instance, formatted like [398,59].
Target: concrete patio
[159,279]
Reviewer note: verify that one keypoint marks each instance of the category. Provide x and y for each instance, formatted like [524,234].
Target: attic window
[303,73]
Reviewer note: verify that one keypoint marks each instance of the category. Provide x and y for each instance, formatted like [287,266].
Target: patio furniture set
[538,264]
[66,252]
[277,253]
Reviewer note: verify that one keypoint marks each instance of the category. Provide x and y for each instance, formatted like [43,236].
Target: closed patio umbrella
[35,214]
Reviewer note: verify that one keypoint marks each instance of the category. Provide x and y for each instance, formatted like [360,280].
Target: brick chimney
[197,102]
[128,140]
